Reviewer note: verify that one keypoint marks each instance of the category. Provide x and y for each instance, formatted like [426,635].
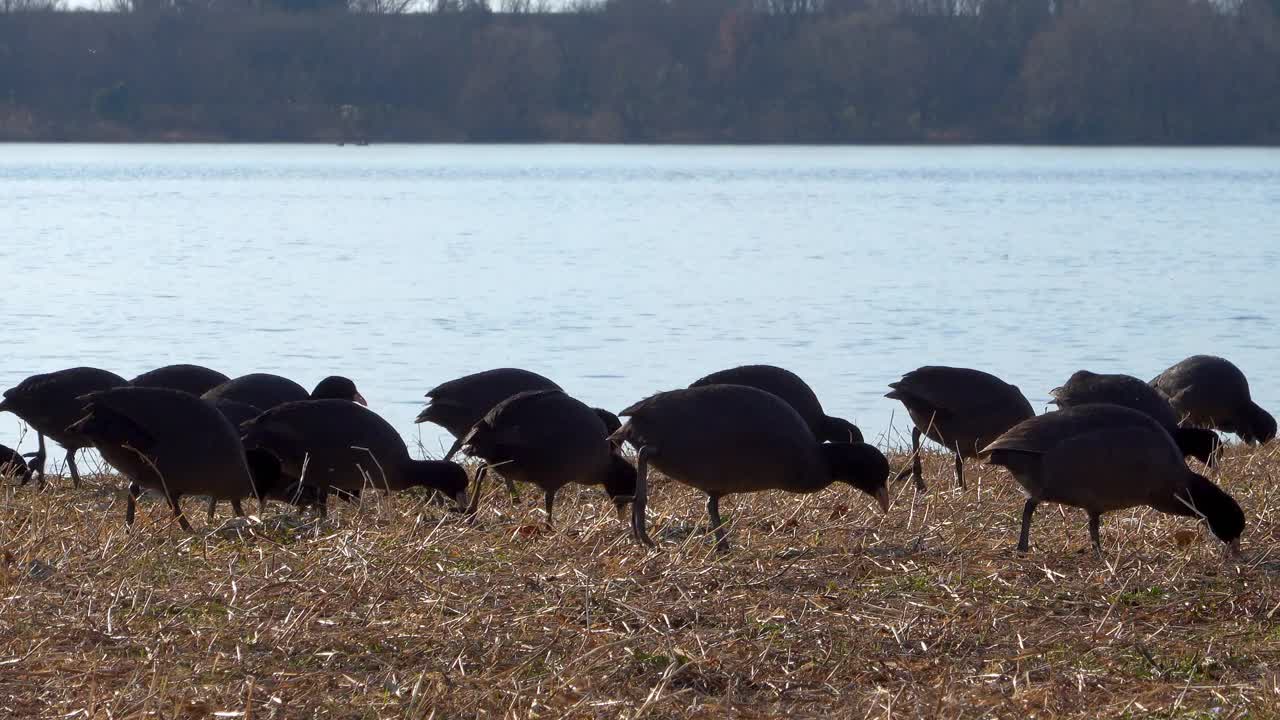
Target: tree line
[785,71]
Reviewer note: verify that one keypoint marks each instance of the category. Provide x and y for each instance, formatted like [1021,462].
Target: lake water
[620,271]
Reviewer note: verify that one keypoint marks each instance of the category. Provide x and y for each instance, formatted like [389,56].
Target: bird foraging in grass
[549,439]
[50,403]
[13,464]
[1210,392]
[725,439]
[170,441]
[1084,388]
[1107,457]
[341,446]
[958,408]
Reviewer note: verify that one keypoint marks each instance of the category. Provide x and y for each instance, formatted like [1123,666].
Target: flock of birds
[1115,442]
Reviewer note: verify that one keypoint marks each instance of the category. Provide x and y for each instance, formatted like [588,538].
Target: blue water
[620,271]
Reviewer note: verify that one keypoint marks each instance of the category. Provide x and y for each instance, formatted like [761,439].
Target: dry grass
[823,607]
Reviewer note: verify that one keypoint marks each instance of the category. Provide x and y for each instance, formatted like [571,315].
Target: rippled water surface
[622,271]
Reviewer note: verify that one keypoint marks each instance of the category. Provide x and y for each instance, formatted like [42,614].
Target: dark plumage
[1085,388]
[725,439]
[50,404]
[13,465]
[263,466]
[611,421]
[958,408]
[265,391]
[1210,392]
[459,404]
[337,445]
[236,412]
[549,439]
[194,379]
[790,387]
[170,441]
[1107,457]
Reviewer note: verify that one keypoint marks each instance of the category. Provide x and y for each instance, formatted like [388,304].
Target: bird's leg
[515,494]
[454,448]
[235,507]
[71,465]
[642,496]
[1095,520]
[914,468]
[1024,539]
[550,502]
[131,506]
[39,459]
[322,501]
[959,468]
[213,507]
[717,526]
[917,473]
[174,502]
[475,495]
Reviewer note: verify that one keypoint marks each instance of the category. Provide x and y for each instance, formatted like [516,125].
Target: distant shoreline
[774,72]
[194,140]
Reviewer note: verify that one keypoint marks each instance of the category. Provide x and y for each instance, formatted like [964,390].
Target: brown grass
[824,607]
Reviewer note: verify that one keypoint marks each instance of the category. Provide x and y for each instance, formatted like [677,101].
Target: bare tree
[441,7]
[18,6]
[524,7]
[381,7]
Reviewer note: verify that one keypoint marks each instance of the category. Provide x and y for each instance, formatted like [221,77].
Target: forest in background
[718,71]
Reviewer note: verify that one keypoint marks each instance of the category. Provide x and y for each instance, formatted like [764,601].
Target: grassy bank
[823,607]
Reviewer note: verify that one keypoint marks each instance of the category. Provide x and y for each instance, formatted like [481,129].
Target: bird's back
[194,379]
[779,381]
[544,432]
[340,442]
[458,404]
[50,403]
[262,390]
[726,438]
[1204,388]
[960,406]
[1086,388]
[191,445]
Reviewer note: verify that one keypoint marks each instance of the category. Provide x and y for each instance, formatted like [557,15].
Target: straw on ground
[398,608]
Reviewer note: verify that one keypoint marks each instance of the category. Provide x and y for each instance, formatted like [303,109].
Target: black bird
[265,391]
[238,413]
[50,403]
[1210,392]
[549,439]
[958,408]
[340,446]
[14,465]
[611,421]
[459,404]
[790,387]
[263,466]
[1086,388]
[1107,457]
[194,379]
[170,441]
[725,439]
